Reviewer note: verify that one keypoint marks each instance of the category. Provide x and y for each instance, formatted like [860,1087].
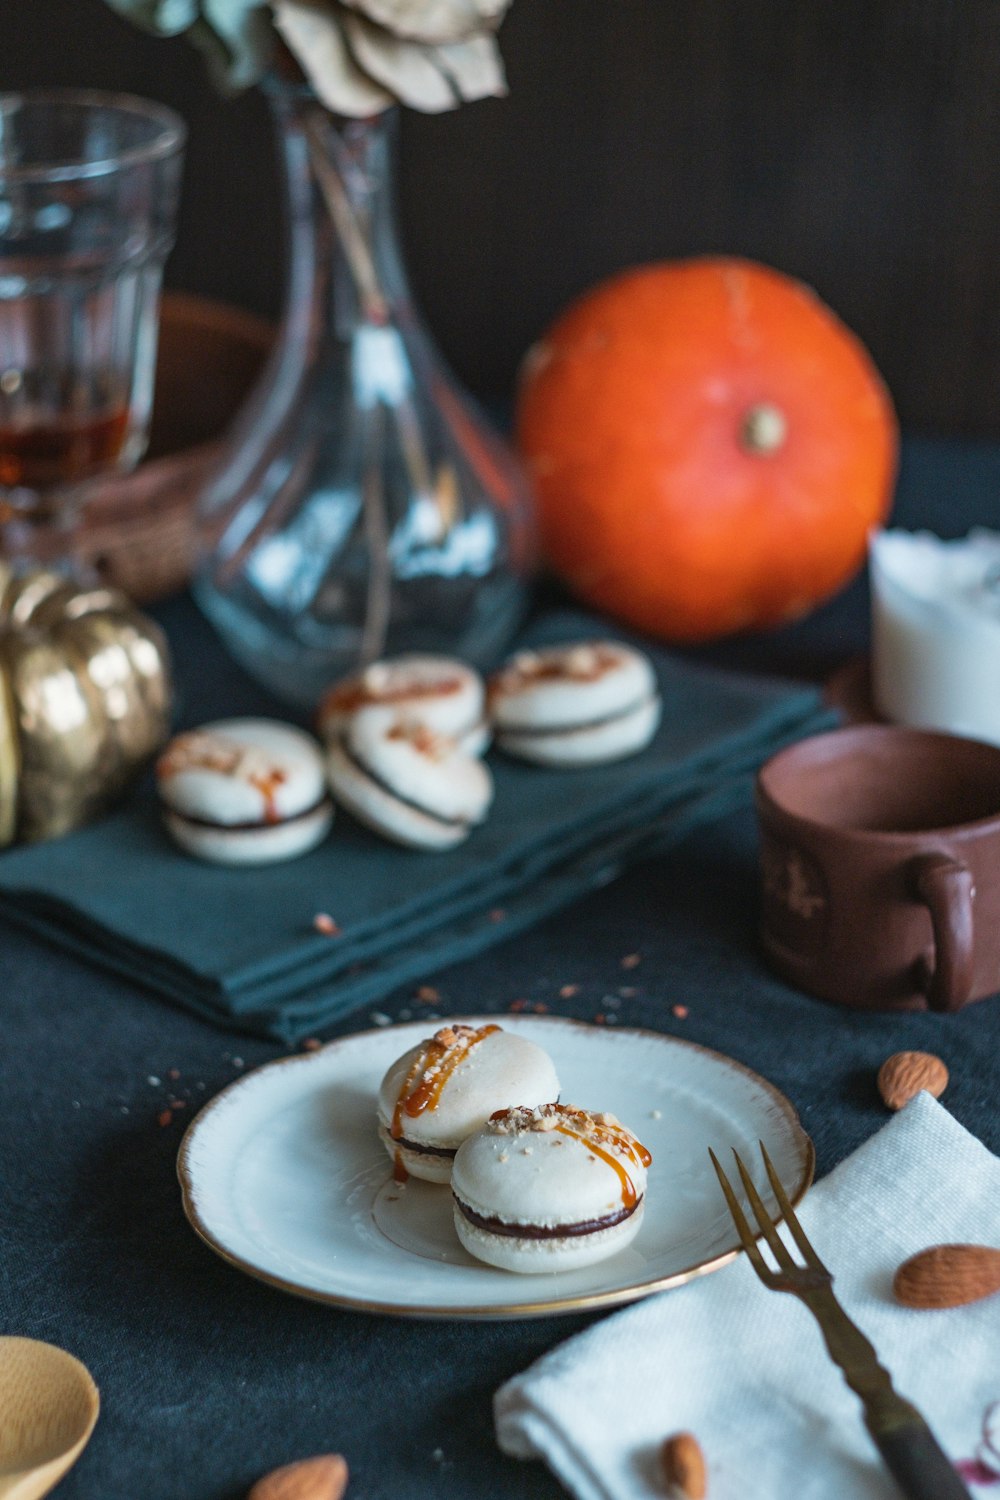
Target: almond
[684,1466]
[322,1478]
[903,1075]
[948,1276]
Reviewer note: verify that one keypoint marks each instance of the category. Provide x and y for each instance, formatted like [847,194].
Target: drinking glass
[88,194]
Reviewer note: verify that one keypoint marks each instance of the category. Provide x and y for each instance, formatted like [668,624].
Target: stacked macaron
[244,792]
[575,705]
[443,1090]
[537,1185]
[403,741]
[549,1189]
[439,692]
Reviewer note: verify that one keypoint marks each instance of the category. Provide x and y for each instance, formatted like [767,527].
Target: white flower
[359,55]
[362,55]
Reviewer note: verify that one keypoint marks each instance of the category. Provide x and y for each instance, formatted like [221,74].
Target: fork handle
[918,1464]
[909,1448]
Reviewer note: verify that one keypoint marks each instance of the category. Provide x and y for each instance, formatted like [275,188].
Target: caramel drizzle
[355,695]
[206,752]
[634,1149]
[425,1081]
[267,783]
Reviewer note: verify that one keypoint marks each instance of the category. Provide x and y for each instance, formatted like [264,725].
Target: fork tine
[743,1229]
[779,1249]
[788,1214]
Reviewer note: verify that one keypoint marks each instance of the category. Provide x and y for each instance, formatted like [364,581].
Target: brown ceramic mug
[880,857]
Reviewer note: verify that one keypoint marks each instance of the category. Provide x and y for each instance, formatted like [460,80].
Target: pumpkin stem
[765,428]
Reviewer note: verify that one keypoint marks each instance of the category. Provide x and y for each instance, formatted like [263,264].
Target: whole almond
[684,1466]
[902,1076]
[948,1276]
[322,1478]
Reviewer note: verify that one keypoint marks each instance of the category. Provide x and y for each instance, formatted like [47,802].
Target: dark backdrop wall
[853,144]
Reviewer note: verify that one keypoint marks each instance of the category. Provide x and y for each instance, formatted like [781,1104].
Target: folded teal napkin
[239,946]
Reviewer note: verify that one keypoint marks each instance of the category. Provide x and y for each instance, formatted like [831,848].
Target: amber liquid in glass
[60,449]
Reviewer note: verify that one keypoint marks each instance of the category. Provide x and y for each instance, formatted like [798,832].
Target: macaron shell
[455,709]
[591,744]
[477,740]
[242,795]
[548,701]
[384,813]
[265,844]
[541,1178]
[428,771]
[533,1257]
[422,1164]
[501,1070]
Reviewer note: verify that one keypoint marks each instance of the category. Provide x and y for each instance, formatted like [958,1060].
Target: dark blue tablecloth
[208,1378]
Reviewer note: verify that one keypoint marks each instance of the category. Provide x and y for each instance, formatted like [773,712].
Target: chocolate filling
[390,791]
[533,730]
[322,804]
[542,1231]
[420,1148]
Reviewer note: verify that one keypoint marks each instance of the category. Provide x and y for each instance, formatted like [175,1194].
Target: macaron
[578,705]
[444,1089]
[407,782]
[444,694]
[549,1189]
[244,792]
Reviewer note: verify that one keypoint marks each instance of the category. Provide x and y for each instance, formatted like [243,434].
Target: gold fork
[910,1450]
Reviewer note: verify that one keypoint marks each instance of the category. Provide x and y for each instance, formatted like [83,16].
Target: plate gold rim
[490,1312]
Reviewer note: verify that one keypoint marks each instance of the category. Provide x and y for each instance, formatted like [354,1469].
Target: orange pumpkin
[710,447]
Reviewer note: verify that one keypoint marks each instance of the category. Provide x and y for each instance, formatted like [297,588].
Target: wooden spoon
[48,1407]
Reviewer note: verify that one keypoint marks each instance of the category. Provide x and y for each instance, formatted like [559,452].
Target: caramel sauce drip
[399,1172]
[267,783]
[634,1148]
[430,1071]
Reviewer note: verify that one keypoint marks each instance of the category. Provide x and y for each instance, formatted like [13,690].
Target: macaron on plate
[285,1176]
[445,1089]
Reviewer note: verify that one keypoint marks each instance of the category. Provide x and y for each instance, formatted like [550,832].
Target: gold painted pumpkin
[85,699]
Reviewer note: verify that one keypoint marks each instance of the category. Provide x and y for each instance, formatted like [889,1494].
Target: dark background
[854,144]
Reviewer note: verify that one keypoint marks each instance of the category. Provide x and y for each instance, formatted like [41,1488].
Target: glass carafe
[365,506]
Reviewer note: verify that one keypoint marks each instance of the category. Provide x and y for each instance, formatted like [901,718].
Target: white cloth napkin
[745,1369]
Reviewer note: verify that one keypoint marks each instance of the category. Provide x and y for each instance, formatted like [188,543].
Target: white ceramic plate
[284,1177]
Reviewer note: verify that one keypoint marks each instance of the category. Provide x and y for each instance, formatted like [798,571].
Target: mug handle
[946,887]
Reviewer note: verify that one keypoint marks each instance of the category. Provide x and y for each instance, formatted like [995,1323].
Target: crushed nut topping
[582,661]
[209,752]
[426,742]
[586,662]
[602,1129]
[213,752]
